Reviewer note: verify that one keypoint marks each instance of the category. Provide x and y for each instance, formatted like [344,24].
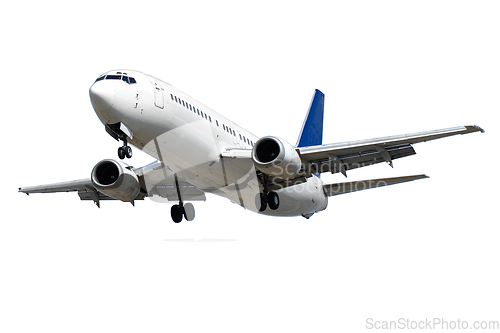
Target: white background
[417,250]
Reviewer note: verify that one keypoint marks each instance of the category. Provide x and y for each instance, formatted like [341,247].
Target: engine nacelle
[114,179]
[276,157]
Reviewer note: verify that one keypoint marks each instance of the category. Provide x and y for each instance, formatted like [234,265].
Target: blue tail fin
[312,129]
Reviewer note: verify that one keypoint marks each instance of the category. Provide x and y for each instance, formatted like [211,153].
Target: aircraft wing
[348,187]
[84,187]
[344,156]
[152,179]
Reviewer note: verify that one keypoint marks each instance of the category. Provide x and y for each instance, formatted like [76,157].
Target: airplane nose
[102,96]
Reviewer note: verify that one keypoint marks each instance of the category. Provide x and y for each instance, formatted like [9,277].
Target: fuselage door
[238,139]
[158,91]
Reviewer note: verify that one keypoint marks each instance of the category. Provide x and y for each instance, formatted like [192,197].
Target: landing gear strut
[125,150]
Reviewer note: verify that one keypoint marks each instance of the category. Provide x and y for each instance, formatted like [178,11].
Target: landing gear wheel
[261,202]
[189,211]
[176,212]
[121,153]
[273,200]
[128,151]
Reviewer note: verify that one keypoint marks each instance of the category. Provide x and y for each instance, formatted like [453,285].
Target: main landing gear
[271,200]
[124,151]
[182,210]
[266,199]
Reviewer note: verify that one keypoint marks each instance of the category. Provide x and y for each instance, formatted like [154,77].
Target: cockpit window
[125,78]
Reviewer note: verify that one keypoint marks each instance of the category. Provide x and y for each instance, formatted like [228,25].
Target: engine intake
[116,180]
[276,157]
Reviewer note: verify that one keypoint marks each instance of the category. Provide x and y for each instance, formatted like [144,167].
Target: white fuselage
[189,138]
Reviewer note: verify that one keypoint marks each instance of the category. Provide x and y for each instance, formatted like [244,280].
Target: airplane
[199,151]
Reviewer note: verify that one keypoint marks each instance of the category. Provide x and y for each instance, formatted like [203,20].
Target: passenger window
[210,118]
[172,96]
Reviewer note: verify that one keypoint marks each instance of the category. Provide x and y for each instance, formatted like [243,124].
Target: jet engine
[276,157]
[116,180]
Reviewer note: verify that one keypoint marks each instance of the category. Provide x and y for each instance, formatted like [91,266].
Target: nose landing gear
[125,151]
[120,132]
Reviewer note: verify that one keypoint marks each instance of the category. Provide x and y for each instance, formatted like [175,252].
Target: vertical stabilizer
[312,129]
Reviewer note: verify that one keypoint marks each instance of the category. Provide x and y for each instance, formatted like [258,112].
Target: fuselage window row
[207,117]
[192,108]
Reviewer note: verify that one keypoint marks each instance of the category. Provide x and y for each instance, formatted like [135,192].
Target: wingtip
[476,128]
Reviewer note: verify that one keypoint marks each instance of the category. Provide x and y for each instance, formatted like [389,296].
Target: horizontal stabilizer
[342,188]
